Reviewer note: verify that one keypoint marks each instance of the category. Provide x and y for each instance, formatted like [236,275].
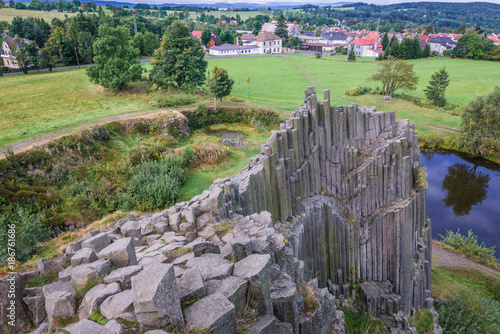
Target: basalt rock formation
[330,212]
[343,183]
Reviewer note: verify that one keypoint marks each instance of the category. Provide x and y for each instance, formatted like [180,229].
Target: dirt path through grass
[446,258]
[308,75]
[40,141]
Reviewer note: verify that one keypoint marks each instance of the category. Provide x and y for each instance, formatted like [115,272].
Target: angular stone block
[84,255]
[123,275]
[191,285]
[97,243]
[157,301]
[256,269]
[118,304]
[215,312]
[95,296]
[121,253]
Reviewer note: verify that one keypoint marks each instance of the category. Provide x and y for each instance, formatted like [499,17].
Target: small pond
[226,134]
[463,194]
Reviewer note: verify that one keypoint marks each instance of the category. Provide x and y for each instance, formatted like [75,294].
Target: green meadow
[44,103]
[8,14]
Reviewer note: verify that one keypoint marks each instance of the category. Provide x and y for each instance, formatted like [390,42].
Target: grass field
[47,102]
[8,14]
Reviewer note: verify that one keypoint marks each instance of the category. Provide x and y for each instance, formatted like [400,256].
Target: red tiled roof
[362,41]
[196,33]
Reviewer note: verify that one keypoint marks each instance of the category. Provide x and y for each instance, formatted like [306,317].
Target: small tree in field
[352,55]
[437,86]
[219,84]
[481,125]
[395,74]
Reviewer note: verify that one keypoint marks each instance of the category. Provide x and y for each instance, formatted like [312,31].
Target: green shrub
[174,131]
[356,91]
[101,133]
[469,246]
[469,313]
[115,128]
[157,183]
[202,117]
[267,118]
[27,230]
[357,323]
[174,100]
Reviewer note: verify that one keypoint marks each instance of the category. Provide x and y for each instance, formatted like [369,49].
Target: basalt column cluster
[342,183]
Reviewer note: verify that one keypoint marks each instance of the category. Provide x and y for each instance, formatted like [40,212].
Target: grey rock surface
[256,269]
[115,305]
[121,253]
[95,296]
[156,297]
[123,275]
[215,312]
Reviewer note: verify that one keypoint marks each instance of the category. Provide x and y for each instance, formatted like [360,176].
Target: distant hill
[441,14]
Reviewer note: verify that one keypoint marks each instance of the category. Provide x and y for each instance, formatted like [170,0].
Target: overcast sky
[292,2]
[288,2]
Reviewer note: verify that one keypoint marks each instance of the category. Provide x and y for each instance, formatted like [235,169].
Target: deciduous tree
[437,87]
[257,25]
[179,61]
[206,35]
[219,83]
[395,74]
[116,61]
[481,124]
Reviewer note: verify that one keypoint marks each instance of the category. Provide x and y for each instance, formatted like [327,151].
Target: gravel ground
[445,258]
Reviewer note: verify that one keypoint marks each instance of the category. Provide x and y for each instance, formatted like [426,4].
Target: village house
[196,34]
[7,52]
[441,44]
[233,50]
[248,39]
[335,38]
[269,43]
[366,47]
[293,29]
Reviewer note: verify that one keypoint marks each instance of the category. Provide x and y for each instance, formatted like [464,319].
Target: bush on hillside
[21,234]
[156,184]
[469,313]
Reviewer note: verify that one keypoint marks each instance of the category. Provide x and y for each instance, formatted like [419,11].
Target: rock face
[347,176]
[332,196]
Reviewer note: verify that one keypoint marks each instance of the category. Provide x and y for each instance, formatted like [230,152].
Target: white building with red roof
[366,47]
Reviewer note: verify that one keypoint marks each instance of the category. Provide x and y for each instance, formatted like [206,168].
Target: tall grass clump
[469,246]
[209,154]
[156,184]
[174,100]
[469,313]
[423,321]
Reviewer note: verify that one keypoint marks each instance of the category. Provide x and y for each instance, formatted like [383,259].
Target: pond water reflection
[463,194]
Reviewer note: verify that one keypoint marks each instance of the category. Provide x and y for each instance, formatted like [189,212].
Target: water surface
[463,194]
